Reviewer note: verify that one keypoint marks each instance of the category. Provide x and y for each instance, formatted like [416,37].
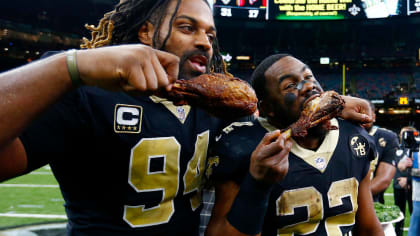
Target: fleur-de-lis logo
[354,10]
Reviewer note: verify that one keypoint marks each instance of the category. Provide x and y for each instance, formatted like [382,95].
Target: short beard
[182,73]
[318,131]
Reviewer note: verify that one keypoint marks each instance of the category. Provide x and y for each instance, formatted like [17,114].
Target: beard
[187,73]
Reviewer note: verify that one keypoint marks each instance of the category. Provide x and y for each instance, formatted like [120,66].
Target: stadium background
[378,58]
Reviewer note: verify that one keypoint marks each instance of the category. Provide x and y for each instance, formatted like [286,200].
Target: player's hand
[357,110]
[270,159]
[133,67]
[402,181]
[404,163]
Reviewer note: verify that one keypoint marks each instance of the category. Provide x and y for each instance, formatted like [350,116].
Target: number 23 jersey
[318,196]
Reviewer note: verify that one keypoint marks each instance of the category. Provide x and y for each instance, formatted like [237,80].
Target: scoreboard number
[226,12]
[253,13]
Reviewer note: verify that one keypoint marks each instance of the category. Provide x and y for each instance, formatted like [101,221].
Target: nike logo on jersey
[127,118]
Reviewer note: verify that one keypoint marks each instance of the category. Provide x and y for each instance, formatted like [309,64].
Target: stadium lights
[324,60]
[378,101]
[243,58]
[399,111]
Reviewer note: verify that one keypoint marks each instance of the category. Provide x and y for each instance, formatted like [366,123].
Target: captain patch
[127,118]
[359,146]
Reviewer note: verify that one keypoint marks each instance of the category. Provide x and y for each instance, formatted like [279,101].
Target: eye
[290,85]
[211,37]
[186,28]
[308,77]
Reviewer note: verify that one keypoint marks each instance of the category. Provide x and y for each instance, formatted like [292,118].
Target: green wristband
[71,60]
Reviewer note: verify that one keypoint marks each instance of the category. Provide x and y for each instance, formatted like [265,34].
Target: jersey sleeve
[230,156]
[55,132]
[372,152]
[389,153]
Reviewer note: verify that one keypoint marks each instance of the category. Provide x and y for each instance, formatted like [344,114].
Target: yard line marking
[42,216]
[28,186]
[30,206]
[41,173]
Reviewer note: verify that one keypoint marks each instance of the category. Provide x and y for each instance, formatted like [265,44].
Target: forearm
[383,177]
[379,185]
[27,91]
[366,221]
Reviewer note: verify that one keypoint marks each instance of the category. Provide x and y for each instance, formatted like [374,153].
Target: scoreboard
[313,9]
[251,9]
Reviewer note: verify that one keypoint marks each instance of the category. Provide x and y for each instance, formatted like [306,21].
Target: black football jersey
[386,145]
[126,165]
[318,196]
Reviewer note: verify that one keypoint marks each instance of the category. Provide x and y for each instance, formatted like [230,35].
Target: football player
[266,183]
[127,163]
[383,166]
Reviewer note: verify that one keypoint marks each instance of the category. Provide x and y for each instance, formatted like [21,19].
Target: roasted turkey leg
[317,109]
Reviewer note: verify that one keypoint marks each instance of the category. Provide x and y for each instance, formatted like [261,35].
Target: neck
[313,139]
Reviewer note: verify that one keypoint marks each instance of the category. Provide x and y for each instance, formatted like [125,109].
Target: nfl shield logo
[180,113]
[320,163]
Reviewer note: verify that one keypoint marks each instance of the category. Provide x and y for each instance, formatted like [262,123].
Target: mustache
[196,52]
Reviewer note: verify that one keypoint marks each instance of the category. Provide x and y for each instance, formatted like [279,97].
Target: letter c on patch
[131,121]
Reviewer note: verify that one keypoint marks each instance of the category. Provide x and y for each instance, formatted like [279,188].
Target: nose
[202,41]
[306,86]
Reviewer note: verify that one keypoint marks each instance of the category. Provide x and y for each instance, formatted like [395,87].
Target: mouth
[198,63]
[309,99]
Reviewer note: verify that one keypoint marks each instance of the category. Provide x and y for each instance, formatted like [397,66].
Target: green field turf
[38,194]
[31,199]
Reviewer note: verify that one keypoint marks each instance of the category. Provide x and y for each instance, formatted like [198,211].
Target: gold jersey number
[167,180]
[311,198]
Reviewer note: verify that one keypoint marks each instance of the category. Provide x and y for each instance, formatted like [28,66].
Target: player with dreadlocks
[126,164]
[121,26]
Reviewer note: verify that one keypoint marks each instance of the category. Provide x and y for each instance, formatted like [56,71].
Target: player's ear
[145,34]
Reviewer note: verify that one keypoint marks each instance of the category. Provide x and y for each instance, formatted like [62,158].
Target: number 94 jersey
[126,165]
[318,196]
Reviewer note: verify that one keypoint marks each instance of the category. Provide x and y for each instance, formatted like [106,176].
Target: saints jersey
[387,145]
[126,165]
[318,196]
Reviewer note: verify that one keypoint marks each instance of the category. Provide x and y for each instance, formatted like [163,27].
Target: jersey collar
[180,112]
[320,158]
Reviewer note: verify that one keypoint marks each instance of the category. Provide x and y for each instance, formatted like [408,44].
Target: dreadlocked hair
[121,26]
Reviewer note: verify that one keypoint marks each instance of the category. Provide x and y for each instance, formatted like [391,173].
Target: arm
[240,210]
[356,109]
[383,177]
[402,181]
[28,90]
[404,163]
[366,221]
[218,224]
